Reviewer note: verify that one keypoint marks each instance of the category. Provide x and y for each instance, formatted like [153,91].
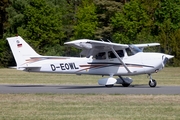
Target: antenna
[108,40]
[102,40]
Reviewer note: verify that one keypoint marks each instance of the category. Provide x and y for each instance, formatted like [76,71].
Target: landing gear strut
[152,82]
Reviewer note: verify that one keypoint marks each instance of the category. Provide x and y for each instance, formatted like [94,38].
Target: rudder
[21,50]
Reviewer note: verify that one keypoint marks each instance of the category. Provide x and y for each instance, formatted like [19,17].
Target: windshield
[134,49]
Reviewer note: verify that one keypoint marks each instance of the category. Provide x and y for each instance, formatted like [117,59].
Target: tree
[86,22]
[5,55]
[69,17]
[175,50]
[3,16]
[167,21]
[68,10]
[132,24]
[44,24]
[106,9]
[15,16]
[37,21]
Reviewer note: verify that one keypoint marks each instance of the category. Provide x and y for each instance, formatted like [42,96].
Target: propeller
[165,59]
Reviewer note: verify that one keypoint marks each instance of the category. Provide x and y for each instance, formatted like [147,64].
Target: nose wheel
[152,82]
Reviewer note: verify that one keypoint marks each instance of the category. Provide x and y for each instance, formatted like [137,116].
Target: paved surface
[83,89]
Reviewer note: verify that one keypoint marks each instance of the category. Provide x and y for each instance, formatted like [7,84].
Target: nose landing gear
[152,82]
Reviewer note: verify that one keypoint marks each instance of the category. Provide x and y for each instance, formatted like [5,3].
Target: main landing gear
[152,82]
[125,81]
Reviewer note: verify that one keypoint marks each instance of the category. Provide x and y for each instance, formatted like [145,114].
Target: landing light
[156,70]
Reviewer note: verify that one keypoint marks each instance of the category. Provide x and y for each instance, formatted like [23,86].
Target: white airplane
[101,58]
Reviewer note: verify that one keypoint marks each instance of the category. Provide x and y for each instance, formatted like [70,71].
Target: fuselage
[101,58]
[140,63]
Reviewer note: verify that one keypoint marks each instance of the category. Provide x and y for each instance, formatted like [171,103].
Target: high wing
[146,45]
[90,47]
[142,46]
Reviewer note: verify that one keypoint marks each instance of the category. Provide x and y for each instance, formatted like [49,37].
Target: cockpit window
[132,50]
[101,56]
[119,52]
[129,52]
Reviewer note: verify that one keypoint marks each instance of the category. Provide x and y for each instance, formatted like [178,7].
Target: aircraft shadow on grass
[102,87]
[83,87]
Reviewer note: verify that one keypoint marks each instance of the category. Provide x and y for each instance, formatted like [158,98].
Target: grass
[168,76]
[87,106]
[12,76]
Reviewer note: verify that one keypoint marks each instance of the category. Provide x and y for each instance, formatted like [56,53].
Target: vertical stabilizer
[21,50]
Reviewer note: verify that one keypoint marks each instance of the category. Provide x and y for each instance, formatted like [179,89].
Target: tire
[153,83]
[125,85]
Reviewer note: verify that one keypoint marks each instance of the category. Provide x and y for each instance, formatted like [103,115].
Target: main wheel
[152,83]
[125,85]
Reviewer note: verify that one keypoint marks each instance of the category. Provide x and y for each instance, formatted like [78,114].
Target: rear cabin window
[119,52]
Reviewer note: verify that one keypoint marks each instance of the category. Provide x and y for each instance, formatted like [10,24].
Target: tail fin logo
[18,44]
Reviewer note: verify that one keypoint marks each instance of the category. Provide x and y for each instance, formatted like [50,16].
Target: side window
[119,52]
[111,55]
[101,56]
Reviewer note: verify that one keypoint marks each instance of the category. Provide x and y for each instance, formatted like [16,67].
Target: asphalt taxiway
[89,89]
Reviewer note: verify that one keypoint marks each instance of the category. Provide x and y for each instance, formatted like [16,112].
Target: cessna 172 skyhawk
[101,58]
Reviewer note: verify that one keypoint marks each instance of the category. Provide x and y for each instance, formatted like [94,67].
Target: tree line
[47,24]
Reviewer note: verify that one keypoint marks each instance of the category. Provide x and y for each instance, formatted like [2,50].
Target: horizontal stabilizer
[29,67]
[13,67]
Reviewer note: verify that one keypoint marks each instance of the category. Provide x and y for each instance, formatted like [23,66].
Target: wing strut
[115,53]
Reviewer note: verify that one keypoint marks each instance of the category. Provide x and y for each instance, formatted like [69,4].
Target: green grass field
[87,106]
[168,76]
